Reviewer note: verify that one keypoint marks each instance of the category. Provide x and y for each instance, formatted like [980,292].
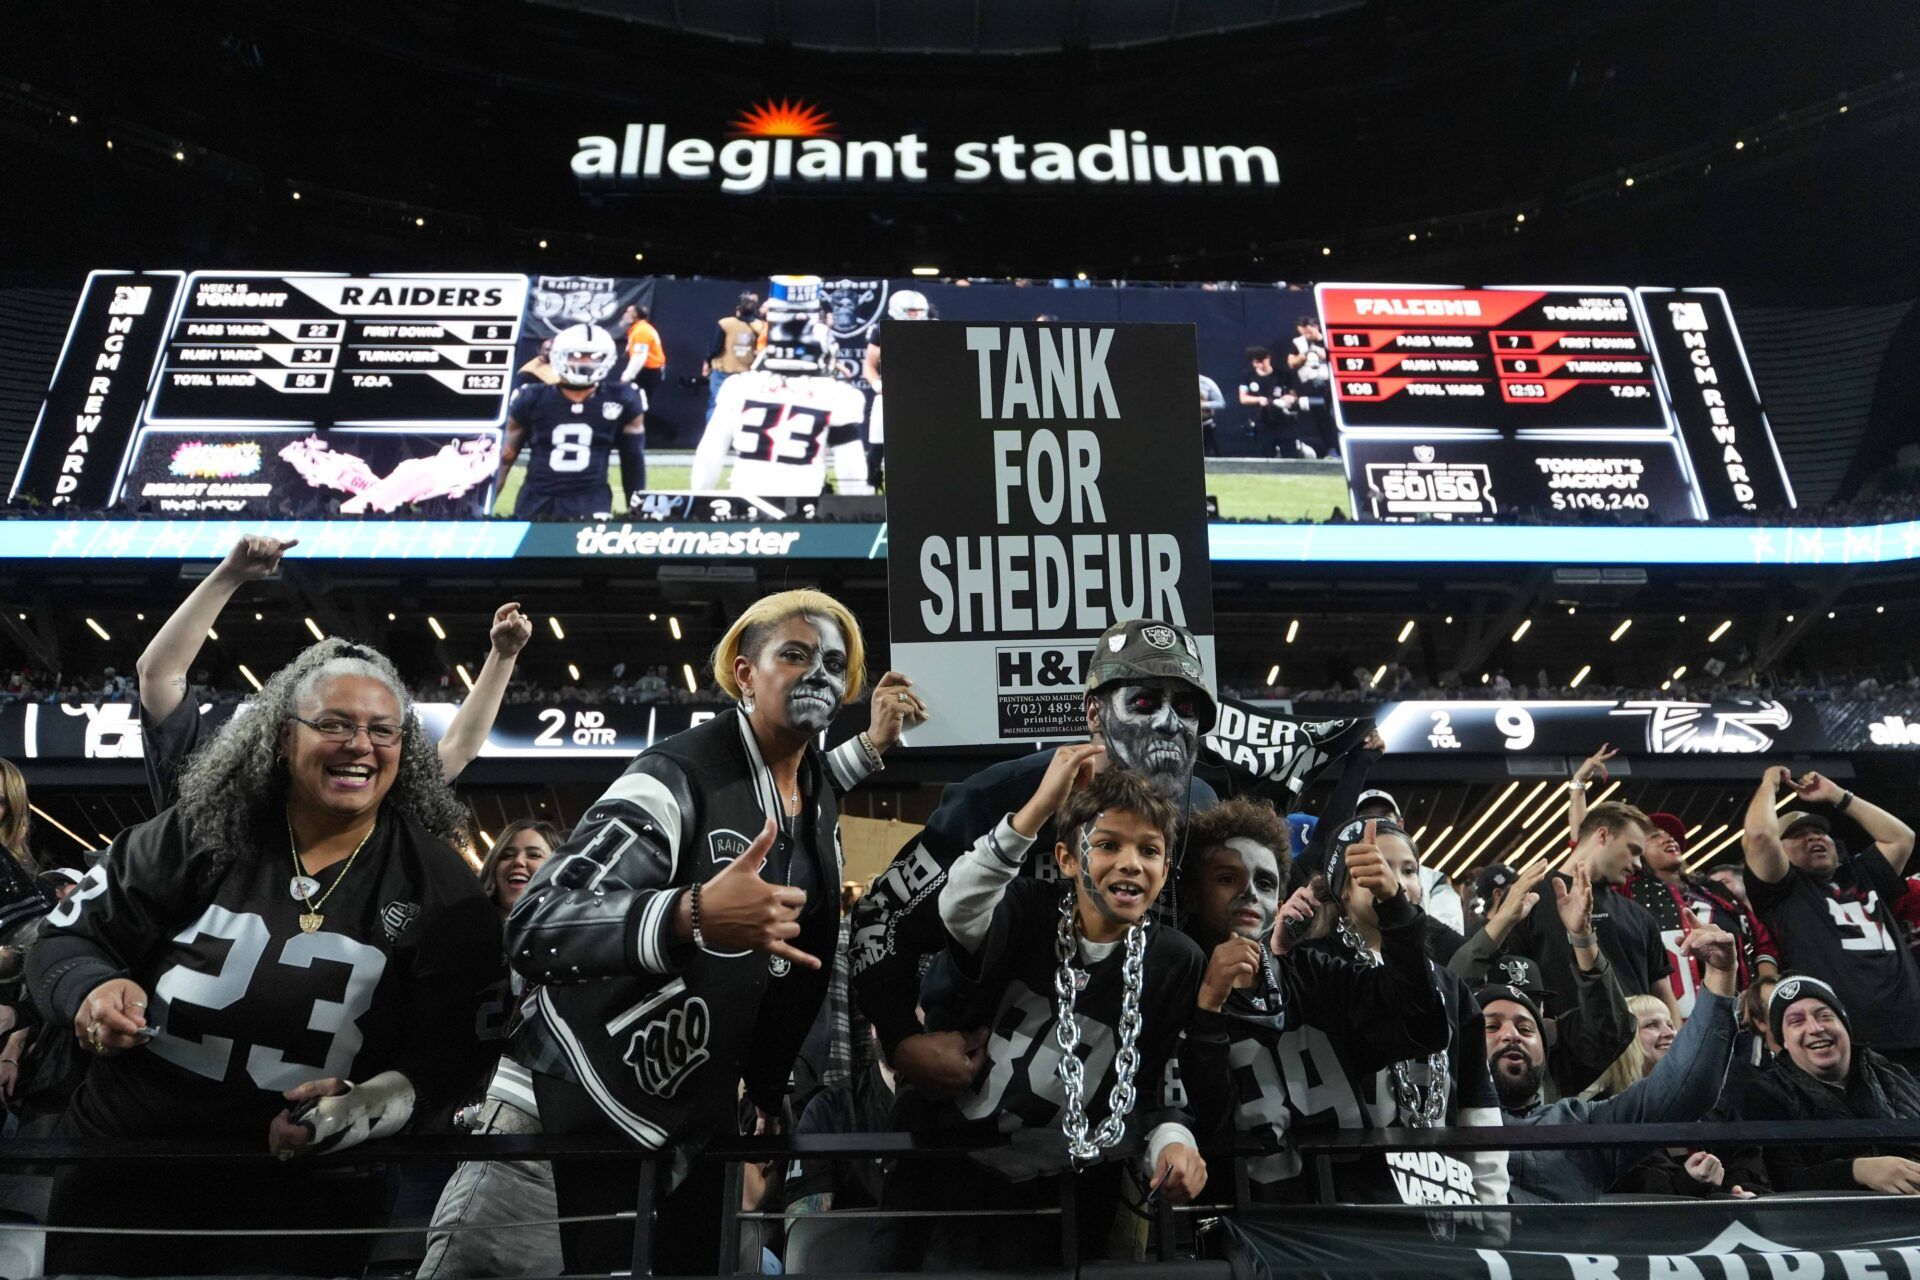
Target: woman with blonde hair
[1653,1033]
[682,938]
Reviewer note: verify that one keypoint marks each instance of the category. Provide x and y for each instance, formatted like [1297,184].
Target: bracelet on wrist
[872,752]
[1580,941]
[1840,805]
[693,896]
[1575,784]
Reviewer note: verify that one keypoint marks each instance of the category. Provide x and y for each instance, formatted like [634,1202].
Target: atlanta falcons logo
[1695,728]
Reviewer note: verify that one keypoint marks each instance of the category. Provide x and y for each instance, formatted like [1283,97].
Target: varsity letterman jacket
[657,1031]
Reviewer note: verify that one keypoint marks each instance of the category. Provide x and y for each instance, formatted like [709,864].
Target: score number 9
[1515,724]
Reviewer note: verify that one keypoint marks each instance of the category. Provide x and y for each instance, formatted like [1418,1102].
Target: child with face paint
[1265,991]
[1148,704]
[1372,867]
[1086,996]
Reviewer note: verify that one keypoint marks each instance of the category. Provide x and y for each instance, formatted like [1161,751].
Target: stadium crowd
[1082,949]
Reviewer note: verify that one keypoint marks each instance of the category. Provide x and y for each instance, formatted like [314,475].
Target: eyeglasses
[345,731]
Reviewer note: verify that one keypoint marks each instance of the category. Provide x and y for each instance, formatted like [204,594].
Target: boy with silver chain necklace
[1084,997]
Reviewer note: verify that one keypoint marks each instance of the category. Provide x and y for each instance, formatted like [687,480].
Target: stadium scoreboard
[1464,404]
[325,350]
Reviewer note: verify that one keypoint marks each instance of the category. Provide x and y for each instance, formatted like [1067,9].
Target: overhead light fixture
[312,626]
[1629,181]
[928,272]
[98,629]
[76,119]
[1405,631]
[141,617]
[1879,608]
[543,244]
[554,623]
[1081,276]
[389,617]
[1570,610]
[419,222]
[573,672]
[1293,629]
[639,257]
[1831,614]
[1625,624]
[1683,617]
[60,826]
[296,195]
[1412,235]
[673,625]
[1679,671]
[179,155]
[1449,619]
[486,836]
[252,679]
[465,677]
[433,625]
[215,635]
[653,617]
[1580,675]
[1665,685]
[1739,144]
[1326,250]
[1379,671]
[1526,624]
[693,681]
[1484,677]
[1789,617]
[1273,675]
[1720,630]
[1519,217]
[257,617]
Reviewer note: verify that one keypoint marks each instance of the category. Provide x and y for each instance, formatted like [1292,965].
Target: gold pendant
[311,920]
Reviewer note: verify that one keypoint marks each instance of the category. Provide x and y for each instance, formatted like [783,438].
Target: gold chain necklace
[305,886]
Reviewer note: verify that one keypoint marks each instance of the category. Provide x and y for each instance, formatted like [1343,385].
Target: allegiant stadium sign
[786,143]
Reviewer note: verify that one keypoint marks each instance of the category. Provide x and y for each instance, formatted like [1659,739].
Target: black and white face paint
[1258,894]
[1094,894]
[1153,728]
[816,696]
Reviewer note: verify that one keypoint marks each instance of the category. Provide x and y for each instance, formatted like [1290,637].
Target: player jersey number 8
[779,433]
[572,448]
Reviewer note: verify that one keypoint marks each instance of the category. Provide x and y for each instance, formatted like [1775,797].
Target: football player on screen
[571,428]
[905,304]
[779,419]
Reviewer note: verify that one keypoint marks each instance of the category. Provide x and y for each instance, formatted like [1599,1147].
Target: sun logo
[783,119]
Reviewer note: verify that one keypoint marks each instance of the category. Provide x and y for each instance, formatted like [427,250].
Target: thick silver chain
[1425,1107]
[1066,1033]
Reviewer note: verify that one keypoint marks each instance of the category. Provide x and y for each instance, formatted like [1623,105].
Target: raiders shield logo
[1158,637]
[1423,453]
[1788,991]
[723,846]
[611,411]
[1515,971]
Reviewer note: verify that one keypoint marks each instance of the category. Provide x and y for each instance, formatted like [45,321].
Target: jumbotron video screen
[316,395]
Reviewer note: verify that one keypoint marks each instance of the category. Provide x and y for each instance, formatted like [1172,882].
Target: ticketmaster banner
[1044,482]
[1875,1238]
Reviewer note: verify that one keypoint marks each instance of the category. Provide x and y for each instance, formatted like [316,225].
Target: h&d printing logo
[787,141]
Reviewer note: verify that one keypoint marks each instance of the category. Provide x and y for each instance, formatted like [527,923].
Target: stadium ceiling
[1002,27]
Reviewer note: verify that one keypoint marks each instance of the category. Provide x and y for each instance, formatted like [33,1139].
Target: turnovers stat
[1460,403]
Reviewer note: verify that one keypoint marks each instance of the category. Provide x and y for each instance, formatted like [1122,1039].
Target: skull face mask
[1153,728]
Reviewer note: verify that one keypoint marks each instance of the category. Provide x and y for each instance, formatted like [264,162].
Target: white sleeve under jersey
[717,441]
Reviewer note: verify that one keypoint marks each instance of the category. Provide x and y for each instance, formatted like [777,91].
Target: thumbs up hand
[740,911]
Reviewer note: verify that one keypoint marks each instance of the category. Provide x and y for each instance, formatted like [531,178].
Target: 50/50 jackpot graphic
[1470,404]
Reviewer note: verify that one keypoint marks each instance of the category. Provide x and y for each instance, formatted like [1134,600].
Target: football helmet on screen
[582,355]
[908,304]
[794,342]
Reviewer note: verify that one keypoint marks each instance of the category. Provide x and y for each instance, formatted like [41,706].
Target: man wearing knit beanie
[1824,1074]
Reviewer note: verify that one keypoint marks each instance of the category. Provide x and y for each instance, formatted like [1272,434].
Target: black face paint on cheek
[1093,892]
[1159,742]
[815,697]
[1255,860]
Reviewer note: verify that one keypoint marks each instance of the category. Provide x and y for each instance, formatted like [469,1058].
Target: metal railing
[1322,1148]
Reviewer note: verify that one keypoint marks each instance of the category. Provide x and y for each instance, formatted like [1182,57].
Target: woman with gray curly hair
[294,950]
